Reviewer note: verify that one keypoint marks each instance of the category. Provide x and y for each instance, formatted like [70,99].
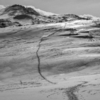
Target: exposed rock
[5,23]
[30,15]
[19,9]
[24,16]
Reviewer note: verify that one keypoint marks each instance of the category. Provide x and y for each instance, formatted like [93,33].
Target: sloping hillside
[53,57]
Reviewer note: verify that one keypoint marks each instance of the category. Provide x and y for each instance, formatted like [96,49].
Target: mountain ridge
[29,15]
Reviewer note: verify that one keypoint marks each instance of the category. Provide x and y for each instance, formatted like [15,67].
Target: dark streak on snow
[38,57]
[70,92]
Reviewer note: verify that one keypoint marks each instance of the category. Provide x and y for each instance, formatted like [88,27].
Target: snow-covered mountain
[20,9]
[23,15]
[41,12]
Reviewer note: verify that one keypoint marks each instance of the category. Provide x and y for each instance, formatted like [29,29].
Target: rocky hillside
[18,10]
[25,15]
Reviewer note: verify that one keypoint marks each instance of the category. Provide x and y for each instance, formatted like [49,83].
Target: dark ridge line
[39,60]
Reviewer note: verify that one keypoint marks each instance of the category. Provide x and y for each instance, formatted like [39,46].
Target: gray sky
[61,6]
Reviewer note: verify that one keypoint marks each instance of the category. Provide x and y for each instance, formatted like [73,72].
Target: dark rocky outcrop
[18,10]
[5,23]
[23,16]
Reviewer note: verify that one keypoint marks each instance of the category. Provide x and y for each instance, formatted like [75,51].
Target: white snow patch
[1,7]
[42,12]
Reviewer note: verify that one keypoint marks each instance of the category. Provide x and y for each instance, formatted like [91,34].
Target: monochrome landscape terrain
[48,56]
